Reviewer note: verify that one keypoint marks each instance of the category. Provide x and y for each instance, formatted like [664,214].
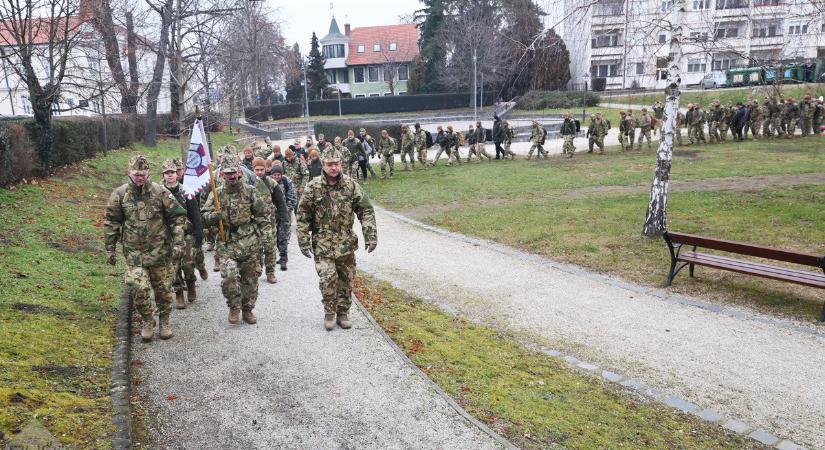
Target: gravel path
[286,382]
[765,371]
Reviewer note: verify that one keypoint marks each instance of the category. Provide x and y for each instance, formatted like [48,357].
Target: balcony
[769,41]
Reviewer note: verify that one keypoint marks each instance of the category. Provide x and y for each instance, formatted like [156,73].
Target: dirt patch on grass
[74,244]
[58,371]
[40,309]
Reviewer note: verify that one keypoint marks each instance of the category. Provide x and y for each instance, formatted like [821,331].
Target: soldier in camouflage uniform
[806,115]
[386,148]
[346,166]
[325,220]
[356,151]
[596,133]
[791,117]
[149,223]
[677,127]
[443,142]
[715,117]
[568,133]
[755,122]
[284,222]
[508,134]
[272,205]
[407,147]
[623,130]
[296,169]
[247,226]
[470,140]
[645,124]
[697,123]
[368,143]
[631,129]
[818,117]
[420,142]
[767,118]
[186,263]
[724,124]
[537,137]
[691,110]
[659,114]
[479,139]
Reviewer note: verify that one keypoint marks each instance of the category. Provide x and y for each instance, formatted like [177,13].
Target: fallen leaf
[171,397]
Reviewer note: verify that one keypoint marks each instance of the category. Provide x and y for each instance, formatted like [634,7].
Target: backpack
[607,124]
[460,138]
[430,141]
[578,125]
[543,135]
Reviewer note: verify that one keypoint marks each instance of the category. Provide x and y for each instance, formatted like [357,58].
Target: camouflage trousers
[723,131]
[407,153]
[269,257]
[422,156]
[644,134]
[766,128]
[631,138]
[146,282]
[508,152]
[335,280]
[438,155]
[479,151]
[713,132]
[622,141]
[677,133]
[541,151]
[754,127]
[387,160]
[790,127]
[454,155]
[239,282]
[817,125]
[696,134]
[806,125]
[568,148]
[185,267]
[598,141]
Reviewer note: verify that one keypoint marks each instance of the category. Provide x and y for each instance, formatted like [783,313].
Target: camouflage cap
[230,163]
[168,166]
[331,154]
[178,163]
[138,162]
[362,131]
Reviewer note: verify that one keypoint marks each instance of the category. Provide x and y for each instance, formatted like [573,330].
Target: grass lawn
[589,211]
[59,298]
[533,400]
[723,95]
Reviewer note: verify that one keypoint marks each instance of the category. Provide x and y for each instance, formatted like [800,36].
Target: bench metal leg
[691,270]
[822,314]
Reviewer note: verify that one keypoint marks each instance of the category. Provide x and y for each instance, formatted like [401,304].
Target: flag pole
[212,183]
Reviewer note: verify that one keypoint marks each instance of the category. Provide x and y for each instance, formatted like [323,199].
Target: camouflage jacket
[194,225]
[698,118]
[568,128]
[325,217]
[536,134]
[297,171]
[509,135]
[356,149]
[346,155]
[386,147]
[716,113]
[443,140]
[727,115]
[480,135]
[645,122]
[407,141]
[793,111]
[147,221]
[806,110]
[420,139]
[274,199]
[247,220]
[597,128]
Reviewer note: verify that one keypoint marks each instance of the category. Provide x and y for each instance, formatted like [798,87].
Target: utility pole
[624,42]
[481,101]
[475,89]
[306,96]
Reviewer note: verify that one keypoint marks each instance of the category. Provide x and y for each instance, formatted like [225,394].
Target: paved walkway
[750,367]
[286,382]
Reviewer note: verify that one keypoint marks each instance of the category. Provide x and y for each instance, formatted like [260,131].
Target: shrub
[557,99]
[256,114]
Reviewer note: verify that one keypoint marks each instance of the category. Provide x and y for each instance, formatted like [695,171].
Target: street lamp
[475,88]
[306,95]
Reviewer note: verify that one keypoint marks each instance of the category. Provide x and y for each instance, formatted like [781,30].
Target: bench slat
[756,269]
[715,259]
[758,251]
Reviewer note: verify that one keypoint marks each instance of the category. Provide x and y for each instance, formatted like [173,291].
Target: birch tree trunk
[656,217]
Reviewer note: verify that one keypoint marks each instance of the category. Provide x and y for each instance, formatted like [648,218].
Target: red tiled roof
[40,29]
[405,36]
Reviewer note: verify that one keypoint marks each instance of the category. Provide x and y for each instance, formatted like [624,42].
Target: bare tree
[37,39]
[103,22]
[164,10]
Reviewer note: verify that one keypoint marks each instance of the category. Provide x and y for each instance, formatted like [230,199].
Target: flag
[196,176]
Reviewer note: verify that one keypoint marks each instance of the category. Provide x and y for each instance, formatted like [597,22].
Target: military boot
[203,273]
[148,328]
[180,302]
[270,278]
[217,267]
[329,321]
[249,317]
[165,332]
[210,246]
[191,294]
[283,263]
[234,315]
[343,321]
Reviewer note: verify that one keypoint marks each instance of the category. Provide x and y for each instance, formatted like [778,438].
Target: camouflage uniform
[791,118]
[724,124]
[479,138]
[596,133]
[324,225]
[537,137]
[297,171]
[644,129]
[420,142]
[147,221]
[677,127]
[284,222]
[631,129]
[184,267]
[755,122]
[659,114]
[273,206]
[443,141]
[697,124]
[386,148]
[407,147]
[767,118]
[346,163]
[625,124]
[806,115]
[356,151]
[368,143]
[247,226]
[818,117]
[715,114]
[509,135]
[568,133]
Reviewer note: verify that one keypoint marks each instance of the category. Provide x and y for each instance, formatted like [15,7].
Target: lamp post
[475,89]
[306,95]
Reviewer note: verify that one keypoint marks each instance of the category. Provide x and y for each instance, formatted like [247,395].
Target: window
[798,29]
[724,63]
[765,30]
[604,69]
[375,95]
[823,27]
[360,96]
[393,46]
[372,74]
[25,104]
[699,36]
[331,76]
[666,6]
[701,4]
[70,102]
[608,8]
[403,72]
[360,48]
[334,51]
[697,65]
[387,94]
[727,32]
[765,2]
[402,93]
[376,47]
[663,39]
[731,4]
[343,76]
[358,74]
[606,39]
[640,68]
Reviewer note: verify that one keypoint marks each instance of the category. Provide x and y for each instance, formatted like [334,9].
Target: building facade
[628,41]
[370,61]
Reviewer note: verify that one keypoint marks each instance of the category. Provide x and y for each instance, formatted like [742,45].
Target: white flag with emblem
[196,176]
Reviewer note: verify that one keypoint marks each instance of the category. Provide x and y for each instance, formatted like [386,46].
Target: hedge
[75,138]
[256,114]
[286,110]
[556,99]
[332,128]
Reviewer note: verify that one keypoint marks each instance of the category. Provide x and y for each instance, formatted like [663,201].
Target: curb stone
[478,424]
[121,384]
[661,396]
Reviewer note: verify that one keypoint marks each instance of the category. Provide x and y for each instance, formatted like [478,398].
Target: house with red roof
[370,61]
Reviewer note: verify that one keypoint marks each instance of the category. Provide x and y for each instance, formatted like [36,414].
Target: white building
[628,41]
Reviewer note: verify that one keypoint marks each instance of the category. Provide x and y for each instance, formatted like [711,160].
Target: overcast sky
[299,18]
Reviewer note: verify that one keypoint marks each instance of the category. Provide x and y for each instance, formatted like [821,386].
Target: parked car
[713,80]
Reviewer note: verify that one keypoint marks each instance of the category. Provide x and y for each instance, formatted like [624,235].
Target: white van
[713,80]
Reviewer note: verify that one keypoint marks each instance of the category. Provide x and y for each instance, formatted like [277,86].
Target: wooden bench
[680,259]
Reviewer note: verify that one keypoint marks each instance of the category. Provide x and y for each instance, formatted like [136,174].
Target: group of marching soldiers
[776,117]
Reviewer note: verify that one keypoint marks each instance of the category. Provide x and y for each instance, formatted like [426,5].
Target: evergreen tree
[431,20]
[294,76]
[416,76]
[553,63]
[316,77]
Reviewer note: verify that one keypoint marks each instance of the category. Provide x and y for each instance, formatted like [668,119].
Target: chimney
[346,29]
